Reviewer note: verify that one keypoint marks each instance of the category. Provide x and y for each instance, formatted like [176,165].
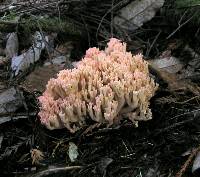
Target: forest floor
[166,146]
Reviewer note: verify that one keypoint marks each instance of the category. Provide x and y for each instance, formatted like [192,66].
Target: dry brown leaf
[170,69]
[2,86]
[38,79]
[12,45]
[63,50]
[174,83]
[3,60]
[23,61]
[10,100]
[36,156]
[168,64]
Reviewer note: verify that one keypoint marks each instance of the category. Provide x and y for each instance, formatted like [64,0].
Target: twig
[186,101]
[187,163]
[6,118]
[111,24]
[180,25]
[190,6]
[195,113]
[88,34]
[103,130]
[110,10]
[152,44]
[9,22]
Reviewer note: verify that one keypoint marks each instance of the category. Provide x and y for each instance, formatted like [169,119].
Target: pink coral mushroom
[106,86]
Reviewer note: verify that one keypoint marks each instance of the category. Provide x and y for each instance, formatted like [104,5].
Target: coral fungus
[106,86]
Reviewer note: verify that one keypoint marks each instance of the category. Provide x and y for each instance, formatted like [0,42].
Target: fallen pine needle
[55,170]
